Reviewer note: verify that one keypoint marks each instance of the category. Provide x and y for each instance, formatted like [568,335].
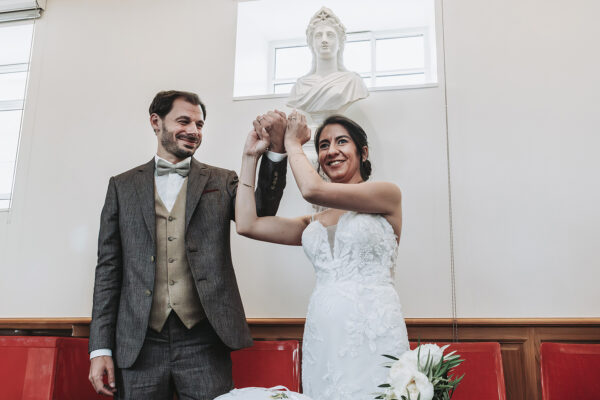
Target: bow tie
[163,168]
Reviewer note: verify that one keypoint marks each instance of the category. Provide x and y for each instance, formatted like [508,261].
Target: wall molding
[519,338]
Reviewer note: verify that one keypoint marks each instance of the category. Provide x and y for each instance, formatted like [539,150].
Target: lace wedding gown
[354,315]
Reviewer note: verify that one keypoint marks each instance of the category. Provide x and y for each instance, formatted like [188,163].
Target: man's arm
[107,290]
[270,185]
[273,166]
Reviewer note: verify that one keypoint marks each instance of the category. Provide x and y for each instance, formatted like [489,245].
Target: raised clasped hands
[257,142]
[297,132]
[275,123]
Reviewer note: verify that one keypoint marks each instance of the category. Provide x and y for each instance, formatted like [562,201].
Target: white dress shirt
[168,187]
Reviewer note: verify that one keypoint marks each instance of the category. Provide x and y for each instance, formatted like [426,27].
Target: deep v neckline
[324,231]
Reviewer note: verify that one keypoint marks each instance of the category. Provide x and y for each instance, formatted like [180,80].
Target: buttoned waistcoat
[125,271]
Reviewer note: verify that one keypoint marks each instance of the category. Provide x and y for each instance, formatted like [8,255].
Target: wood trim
[48,323]
[519,338]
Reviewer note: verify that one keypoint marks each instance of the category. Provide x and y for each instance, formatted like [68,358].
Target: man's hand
[100,366]
[275,123]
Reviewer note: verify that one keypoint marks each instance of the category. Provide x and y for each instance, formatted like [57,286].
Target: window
[382,59]
[15,45]
[392,45]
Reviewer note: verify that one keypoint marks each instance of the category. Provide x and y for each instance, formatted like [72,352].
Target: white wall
[520,95]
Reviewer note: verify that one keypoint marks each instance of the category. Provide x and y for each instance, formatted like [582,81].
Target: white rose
[407,380]
[429,351]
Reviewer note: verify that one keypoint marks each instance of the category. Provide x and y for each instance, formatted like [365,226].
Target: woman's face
[325,41]
[338,155]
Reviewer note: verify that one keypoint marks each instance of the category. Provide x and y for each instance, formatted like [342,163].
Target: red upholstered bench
[45,368]
[484,375]
[268,364]
[569,371]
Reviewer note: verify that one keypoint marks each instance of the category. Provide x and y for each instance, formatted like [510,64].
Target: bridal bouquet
[421,374]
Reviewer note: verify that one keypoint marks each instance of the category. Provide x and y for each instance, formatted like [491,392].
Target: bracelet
[250,186]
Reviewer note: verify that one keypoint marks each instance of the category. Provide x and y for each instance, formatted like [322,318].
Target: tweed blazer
[126,266]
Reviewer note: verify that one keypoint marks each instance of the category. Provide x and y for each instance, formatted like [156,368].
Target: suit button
[170,238]
[171,260]
[152,258]
[148,292]
[171,218]
[272,187]
[171,282]
[275,173]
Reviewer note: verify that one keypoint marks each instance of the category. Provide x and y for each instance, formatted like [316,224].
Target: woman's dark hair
[358,135]
[163,102]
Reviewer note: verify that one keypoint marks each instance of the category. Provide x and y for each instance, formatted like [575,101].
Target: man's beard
[169,143]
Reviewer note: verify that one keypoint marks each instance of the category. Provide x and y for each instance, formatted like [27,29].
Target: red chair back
[484,375]
[40,368]
[569,371]
[268,364]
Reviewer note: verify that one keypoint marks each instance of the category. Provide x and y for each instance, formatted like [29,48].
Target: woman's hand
[297,133]
[257,142]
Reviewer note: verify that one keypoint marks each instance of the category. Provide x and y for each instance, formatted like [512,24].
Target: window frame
[16,104]
[373,74]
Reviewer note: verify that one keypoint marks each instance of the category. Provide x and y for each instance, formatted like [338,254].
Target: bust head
[326,36]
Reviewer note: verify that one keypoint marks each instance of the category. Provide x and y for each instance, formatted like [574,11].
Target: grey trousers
[192,363]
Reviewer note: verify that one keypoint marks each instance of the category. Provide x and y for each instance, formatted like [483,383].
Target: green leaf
[392,357]
[385,385]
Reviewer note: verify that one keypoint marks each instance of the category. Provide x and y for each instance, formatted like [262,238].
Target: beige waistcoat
[174,287]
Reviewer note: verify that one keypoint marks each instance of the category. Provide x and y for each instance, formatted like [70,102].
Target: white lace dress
[354,315]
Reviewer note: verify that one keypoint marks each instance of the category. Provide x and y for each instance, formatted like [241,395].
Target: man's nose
[192,128]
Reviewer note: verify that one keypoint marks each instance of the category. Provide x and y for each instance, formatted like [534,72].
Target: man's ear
[365,153]
[155,121]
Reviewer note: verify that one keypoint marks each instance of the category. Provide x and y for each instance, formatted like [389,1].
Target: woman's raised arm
[269,229]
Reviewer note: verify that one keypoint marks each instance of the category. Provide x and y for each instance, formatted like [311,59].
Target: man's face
[179,133]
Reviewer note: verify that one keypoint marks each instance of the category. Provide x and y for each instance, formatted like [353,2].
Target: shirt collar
[184,161]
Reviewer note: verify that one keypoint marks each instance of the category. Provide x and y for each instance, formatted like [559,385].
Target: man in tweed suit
[166,303]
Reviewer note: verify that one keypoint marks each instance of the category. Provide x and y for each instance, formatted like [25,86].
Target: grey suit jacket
[127,252]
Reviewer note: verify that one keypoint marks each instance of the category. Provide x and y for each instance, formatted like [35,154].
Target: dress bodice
[364,249]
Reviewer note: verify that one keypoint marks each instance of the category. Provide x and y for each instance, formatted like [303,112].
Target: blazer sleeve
[269,189]
[270,185]
[107,284]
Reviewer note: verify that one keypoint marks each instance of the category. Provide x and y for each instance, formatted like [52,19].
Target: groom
[166,304]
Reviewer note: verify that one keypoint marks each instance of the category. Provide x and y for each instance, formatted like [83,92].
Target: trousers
[192,363]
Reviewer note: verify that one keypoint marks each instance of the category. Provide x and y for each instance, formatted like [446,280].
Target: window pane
[283,87]
[400,53]
[292,62]
[357,56]
[15,42]
[10,122]
[398,80]
[12,86]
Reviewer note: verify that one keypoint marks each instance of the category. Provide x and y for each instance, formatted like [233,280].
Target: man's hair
[163,102]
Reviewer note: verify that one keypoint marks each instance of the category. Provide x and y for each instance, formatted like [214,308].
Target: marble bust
[328,88]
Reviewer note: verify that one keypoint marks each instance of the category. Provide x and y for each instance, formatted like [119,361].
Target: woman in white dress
[354,314]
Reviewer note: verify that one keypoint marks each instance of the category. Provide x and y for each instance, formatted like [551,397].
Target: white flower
[406,380]
[429,351]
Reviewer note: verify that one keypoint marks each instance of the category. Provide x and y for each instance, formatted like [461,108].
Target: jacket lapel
[197,179]
[144,187]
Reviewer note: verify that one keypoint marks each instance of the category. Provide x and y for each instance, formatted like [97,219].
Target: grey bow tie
[163,168]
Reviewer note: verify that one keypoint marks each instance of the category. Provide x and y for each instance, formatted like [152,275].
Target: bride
[354,314]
